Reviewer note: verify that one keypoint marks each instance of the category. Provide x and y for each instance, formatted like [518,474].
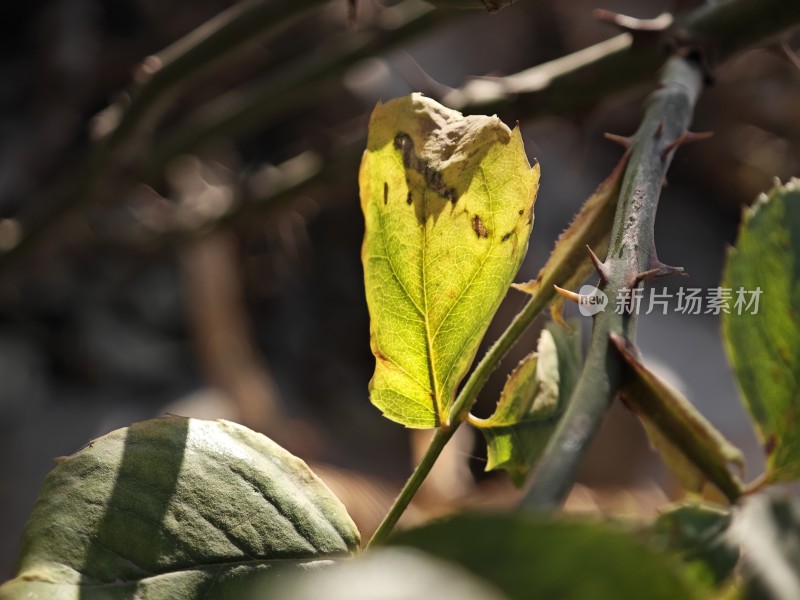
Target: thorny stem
[631,252]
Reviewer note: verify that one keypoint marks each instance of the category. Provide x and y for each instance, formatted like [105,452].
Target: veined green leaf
[531,403]
[691,447]
[529,558]
[448,203]
[763,340]
[567,266]
[176,509]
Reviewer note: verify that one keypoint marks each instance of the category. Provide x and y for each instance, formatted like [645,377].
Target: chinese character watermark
[687,301]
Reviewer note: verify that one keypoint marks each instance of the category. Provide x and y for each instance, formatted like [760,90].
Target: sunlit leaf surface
[448,204]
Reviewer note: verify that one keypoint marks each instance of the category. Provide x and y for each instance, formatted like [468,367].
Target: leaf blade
[764,348]
[531,403]
[172,504]
[448,206]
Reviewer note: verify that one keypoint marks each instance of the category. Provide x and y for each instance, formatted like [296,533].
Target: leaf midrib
[437,401]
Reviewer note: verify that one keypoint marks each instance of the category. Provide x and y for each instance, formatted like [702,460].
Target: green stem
[631,252]
[439,441]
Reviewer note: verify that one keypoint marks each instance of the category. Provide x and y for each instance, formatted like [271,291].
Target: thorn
[658,269]
[660,129]
[632,24]
[689,136]
[568,294]
[599,265]
[622,140]
[664,182]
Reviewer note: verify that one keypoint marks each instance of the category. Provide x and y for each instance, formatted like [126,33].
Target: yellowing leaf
[763,339]
[568,265]
[448,204]
[531,403]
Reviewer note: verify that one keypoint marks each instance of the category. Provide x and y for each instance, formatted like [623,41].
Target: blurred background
[222,277]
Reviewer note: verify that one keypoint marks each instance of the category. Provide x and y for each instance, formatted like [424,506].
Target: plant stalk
[631,252]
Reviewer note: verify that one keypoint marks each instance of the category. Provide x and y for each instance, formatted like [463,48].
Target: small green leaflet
[448,205]
[531,403]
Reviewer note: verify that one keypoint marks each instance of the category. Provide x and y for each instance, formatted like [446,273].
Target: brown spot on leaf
[385,192]
[410,199]
[479,228]
[770,444]
[433,178]
[507,236]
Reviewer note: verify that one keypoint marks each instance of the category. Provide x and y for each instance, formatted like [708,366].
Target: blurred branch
[223,335]
[157,80]
[579,81]
[568,85]
[631,260]
[257,106]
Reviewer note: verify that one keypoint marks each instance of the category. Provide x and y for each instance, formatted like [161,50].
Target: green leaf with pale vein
[694,450]
[448,204]
[531,403]
[176,509]
[764,348]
